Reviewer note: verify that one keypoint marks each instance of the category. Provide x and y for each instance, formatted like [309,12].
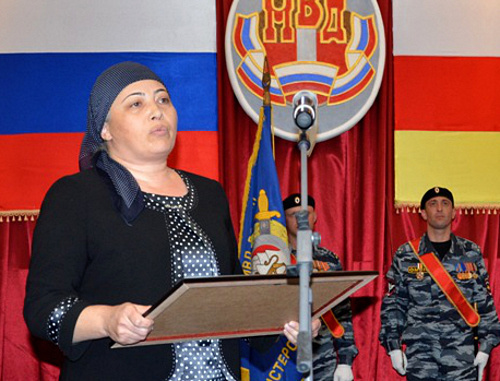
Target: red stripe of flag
[31,163]
[447,93]
[372,38]
[354,91]
[317,87]
[237,36]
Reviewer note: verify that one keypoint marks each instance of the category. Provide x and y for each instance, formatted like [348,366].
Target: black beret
[435,192]
[294,200]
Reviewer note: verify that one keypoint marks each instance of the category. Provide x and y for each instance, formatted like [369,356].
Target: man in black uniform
[336,337]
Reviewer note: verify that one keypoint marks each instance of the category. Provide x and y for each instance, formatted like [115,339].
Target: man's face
[439,212]
[291,221]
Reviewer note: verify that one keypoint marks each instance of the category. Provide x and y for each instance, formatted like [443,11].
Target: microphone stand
[304,268]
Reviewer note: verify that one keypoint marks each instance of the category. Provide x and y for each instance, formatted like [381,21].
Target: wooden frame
[243,306]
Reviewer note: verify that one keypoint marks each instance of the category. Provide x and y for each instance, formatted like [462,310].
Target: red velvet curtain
[21,356]
[351,177]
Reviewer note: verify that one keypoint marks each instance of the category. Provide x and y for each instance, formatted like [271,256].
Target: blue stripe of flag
[292,78]
[363,42]
[356,80]
[256,80]
[245,35]
[48,92]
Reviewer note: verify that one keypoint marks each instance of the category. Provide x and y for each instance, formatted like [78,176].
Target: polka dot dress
[192,256]
[56,317]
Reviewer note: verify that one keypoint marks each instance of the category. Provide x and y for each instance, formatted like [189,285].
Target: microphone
[305,104]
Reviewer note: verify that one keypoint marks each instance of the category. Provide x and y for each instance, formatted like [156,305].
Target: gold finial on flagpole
[266,83]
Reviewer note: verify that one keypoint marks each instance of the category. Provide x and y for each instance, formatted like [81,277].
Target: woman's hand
[123,323]
[291,330]
[126,325]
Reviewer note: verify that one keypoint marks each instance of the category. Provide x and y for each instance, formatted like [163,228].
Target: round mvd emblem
[332,48]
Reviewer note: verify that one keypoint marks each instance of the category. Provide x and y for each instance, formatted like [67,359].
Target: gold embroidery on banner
[18,215]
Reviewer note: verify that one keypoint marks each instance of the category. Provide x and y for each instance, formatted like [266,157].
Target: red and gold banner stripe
[336,329]
[446,283]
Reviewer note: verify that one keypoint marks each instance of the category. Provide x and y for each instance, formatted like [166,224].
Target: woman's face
[142,124]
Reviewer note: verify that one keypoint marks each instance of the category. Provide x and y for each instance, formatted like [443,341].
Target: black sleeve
[58,263]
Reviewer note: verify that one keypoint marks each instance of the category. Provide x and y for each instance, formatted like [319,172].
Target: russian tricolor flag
[447,108]
[52,52]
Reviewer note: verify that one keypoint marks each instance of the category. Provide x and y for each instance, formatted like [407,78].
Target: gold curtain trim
[18,215]
[467,209]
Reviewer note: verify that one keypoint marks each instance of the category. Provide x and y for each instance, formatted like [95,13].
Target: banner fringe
[18,215]
[466,209]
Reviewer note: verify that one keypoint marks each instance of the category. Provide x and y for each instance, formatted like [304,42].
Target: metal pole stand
[304,268]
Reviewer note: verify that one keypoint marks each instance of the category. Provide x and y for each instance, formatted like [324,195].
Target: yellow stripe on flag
[468,163]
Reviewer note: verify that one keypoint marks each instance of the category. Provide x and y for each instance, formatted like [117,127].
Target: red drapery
[351,177]
[22,357]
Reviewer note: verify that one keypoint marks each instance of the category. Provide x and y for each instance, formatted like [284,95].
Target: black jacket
[82,247]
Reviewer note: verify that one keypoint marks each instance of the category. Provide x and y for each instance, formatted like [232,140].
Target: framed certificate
[243,306]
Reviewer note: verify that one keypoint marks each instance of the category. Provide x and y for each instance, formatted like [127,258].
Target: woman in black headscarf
[114,238]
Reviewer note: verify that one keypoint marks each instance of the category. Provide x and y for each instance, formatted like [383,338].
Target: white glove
[480,361]
[343,373]
[399,361]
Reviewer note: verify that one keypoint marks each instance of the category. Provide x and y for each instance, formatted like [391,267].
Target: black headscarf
[92,152]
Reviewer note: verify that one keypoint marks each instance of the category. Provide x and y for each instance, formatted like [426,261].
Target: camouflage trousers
[324,356]
[444,358]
